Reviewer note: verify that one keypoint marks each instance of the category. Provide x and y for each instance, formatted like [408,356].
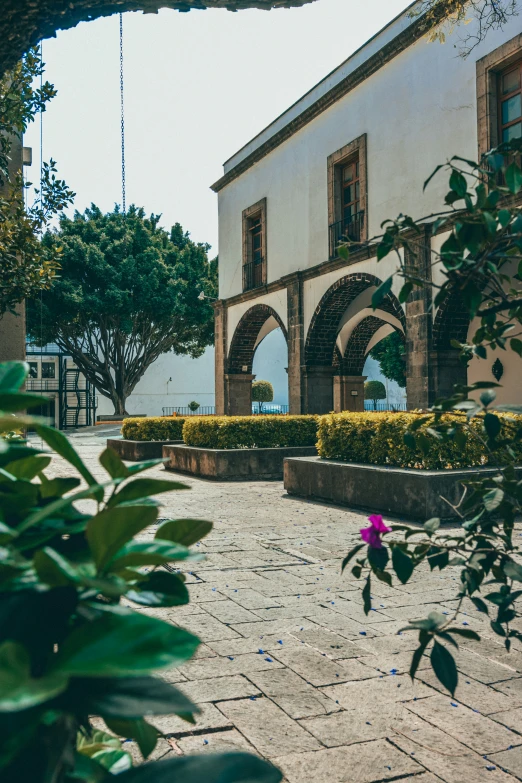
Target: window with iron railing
[347,196]
[350,229]
[254,246]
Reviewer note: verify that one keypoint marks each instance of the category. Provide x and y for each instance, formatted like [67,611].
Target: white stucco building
[352,152]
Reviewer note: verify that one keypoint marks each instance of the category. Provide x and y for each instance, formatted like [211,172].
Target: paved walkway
[291,668]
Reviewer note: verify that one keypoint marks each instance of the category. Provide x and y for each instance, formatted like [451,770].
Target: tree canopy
[374,390]
[389,352]
[127,292]
[262,391]
[25,267]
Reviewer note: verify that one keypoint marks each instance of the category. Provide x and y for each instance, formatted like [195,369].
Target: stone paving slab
[272,581]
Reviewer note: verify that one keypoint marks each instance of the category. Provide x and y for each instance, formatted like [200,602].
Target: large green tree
[127,292]
[26,267]
[390,353]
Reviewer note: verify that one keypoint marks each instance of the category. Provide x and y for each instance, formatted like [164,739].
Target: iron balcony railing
[269,410]
[253,275]
[384,406]
[349,230]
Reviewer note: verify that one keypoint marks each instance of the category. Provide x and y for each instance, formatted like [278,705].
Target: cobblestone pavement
[291,669]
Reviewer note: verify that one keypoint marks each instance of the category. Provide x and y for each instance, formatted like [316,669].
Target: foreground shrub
[378,439]
[72,645]
[157,428]
[248,432]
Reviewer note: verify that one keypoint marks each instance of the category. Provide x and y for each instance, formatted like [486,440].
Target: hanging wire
[123,201]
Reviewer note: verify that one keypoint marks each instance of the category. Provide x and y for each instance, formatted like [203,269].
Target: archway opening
[271,364]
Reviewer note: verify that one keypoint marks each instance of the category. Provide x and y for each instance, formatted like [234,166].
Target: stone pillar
[419,379]
[295,344]
[447,371]
[12,327]
[238,394]
[220,346]
[349,393]
[318,389]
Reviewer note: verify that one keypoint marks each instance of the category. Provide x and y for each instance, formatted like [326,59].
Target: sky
[198,86]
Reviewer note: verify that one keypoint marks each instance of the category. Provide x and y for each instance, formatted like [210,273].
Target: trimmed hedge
[378,439]
[249,432]
[159,428]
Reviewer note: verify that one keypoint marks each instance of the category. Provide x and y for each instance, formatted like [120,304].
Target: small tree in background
[390,353]
[374,390]
[127,292]
[262,391]
[193,406]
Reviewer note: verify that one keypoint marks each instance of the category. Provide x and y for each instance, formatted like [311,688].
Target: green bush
[247,432]
[158,428]
[378,439]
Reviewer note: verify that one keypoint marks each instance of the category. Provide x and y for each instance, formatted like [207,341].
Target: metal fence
[348,230]
[384,406]
[203,410]
[271,410]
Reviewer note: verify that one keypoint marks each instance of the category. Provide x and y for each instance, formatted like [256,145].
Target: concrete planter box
[400,492]
[232,464]
[108,417]
[138,450]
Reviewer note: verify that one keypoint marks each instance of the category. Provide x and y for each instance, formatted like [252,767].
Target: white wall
[417,111]
[192,379]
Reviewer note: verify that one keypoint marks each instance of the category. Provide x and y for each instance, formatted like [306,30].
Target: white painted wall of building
[417,111]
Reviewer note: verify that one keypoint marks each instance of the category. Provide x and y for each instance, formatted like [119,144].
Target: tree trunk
[118,400]
[375,405]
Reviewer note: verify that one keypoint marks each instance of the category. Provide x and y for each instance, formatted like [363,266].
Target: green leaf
[12,375]
[113,464]
[160,589]
[128,697]
[144,488]
[444,667]
[378,558]
[512,570]
[381,292]
[402,564]
[12,402]
[18,690]
[28,468]
[493,499]
[140,553]
[516,345]
[108,531]
[487,397]
[145,735]
[57,487]
[123,642]
[57,441]
[492,425]
[467,633]
[114,761]
[424,640]
[53,569]
[366,595]
[208,768]
[513,177]
[458,183]
[432,525]
[184,531]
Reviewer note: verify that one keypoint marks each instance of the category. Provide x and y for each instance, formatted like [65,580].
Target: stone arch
[451,322]
[356,349]
[324,326]
[244,341]
[23,23]
[332,380]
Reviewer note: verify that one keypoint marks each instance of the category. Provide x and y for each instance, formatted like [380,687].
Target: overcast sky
[197,87]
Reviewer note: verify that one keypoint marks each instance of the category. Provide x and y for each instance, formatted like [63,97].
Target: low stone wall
[232,464]
[413,494]
[138,450]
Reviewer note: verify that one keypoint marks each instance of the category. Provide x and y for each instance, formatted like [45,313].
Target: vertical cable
[123,201]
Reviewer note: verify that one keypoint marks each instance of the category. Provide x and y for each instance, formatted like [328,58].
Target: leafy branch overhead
[479,265]
[69,649]
[127,292]
[26,267]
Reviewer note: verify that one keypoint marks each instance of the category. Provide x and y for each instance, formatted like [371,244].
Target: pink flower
[372,535]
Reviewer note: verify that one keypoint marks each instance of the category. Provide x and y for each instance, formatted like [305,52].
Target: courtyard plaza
[290,668]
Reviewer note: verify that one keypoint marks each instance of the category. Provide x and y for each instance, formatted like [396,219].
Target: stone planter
[138,450]
[400,492]
[110,417]
[232,464]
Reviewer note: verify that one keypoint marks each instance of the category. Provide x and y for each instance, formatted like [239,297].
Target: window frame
[256,212]
[490,69]
[355,151]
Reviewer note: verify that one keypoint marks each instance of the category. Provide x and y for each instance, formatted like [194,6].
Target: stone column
[12,327]
[295,344]
[349,393]
[318,389]
[220,346]
[419,379]
[447,371]
[238,394]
